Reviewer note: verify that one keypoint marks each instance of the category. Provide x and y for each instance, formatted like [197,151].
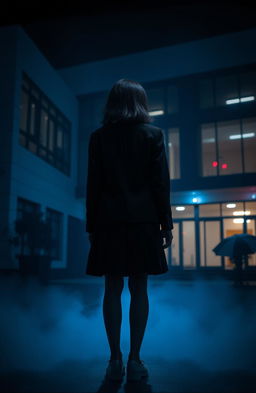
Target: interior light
[156,113]
[243,99]
[242,213]
[180,208]
[238,220]
[231,205]
[239,136]
[215,163]
[208,140]
[224,166]
[246,99]
[232,101]
[195,200]
[248,220]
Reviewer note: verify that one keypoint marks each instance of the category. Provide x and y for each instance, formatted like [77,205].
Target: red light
[224,166]
[215,163]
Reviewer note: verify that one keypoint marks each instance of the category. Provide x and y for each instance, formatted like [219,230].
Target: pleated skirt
[126,249]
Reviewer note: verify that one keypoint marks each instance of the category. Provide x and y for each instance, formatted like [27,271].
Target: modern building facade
[202,94]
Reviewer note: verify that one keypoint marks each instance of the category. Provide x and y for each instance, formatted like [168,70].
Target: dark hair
[127,102]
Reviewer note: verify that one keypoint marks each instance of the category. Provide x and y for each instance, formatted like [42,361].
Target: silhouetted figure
[238,269]
[128,198]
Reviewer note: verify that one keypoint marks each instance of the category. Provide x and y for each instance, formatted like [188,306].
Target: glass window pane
[172,99]
[32,129]
[206,93]
[251,229]
[226,89]
[248,84]
[232,208]
[202,243]
[232,226]
[189,256]
[251,207]
[211,237]
[23,110]
[249,144]
[209,210]
[174,152]
[182,211]
[43,128]
[51,135]
[60,138]
[209,158]
[175,255]
[155,100]
[229,143]
[66,146]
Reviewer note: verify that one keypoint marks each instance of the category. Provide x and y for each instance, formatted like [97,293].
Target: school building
[201,93]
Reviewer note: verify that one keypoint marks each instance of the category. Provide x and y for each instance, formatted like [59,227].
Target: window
[172,99]
[248,85]
[226,89]
[209,210]
[174,152]
[189,247]
[44,130]
[209,238]
[209,154]
[206,93]
[56,220]
[183,211]
[235,149]
[155,101]
[24,207]
[229,144]
[239,87]
[248,140]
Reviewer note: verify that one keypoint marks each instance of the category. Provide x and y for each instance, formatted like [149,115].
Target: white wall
[31,177]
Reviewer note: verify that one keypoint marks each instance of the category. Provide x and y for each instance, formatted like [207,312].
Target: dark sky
[75,32]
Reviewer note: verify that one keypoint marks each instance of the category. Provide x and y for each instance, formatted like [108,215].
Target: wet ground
[200,338]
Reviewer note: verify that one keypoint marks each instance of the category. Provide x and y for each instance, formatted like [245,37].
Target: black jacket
[128,177]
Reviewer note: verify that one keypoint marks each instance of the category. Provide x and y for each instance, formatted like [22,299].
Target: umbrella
[236,245]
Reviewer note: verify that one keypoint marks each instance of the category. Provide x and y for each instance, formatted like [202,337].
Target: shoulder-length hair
[127,102]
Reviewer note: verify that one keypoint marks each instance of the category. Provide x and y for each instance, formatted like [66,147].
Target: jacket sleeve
[160,181]
[93,186]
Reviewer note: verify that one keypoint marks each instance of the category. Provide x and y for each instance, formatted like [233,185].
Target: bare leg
[112,313]
[139,308]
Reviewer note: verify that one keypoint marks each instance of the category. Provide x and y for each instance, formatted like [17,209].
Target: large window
[56,220]
[228,147]
[236,217]
[44,130]
[25,207]
[163,100]
[174,152]
[232,89]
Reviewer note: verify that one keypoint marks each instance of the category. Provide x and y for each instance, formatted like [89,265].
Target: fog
[207,322]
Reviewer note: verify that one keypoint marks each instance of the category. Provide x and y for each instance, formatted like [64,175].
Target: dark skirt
[127,249]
